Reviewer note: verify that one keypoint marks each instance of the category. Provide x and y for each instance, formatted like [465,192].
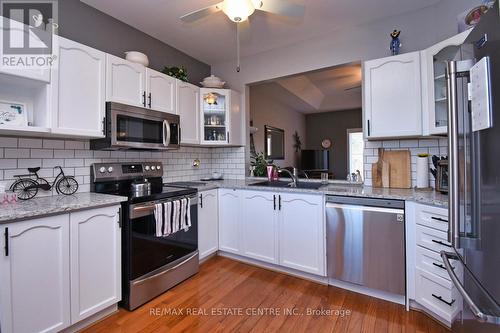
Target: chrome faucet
[293,175]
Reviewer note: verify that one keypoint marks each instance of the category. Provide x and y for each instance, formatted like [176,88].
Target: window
[355,147]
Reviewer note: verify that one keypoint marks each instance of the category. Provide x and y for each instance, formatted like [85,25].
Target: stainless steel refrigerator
[473,87]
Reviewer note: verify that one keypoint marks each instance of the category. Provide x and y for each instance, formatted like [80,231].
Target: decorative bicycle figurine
[26,186]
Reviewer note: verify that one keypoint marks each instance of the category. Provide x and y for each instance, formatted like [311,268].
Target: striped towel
[172,216]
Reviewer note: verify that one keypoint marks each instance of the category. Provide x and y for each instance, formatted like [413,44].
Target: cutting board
[400,167]
[380,171]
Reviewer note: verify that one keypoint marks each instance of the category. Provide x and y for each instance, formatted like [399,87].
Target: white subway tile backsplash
[420,146]
[76,158]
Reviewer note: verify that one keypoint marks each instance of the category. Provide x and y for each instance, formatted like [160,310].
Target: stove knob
[102,169]
[158,167]
[110,169]
[153,168]
[146,167]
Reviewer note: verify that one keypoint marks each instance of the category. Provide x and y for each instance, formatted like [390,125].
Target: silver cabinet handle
[451,85]
[481,316]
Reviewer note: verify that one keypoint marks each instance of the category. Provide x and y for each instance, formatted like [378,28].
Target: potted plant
[259,161]
[177,72]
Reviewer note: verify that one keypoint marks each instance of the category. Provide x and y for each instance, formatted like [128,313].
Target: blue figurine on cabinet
[395,42]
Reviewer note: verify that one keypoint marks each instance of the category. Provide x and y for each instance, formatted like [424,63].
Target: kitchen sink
[280,183]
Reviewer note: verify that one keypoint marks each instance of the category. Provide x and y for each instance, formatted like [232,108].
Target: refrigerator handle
[453,208]
[481,316]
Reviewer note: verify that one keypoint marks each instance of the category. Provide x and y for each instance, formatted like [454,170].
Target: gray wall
[333,126]
[87,25]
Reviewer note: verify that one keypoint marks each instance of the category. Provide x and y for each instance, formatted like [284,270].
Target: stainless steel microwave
[131,127]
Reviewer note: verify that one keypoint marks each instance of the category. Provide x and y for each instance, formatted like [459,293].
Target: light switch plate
[480,95]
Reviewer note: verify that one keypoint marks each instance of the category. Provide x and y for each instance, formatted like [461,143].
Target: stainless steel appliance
[473,86]
[150,265]
[131,127]
[365,242]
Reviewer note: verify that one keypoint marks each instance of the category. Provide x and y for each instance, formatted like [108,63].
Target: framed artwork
[13,114]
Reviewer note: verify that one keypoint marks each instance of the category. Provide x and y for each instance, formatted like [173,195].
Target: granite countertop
[52,205]
[341,188]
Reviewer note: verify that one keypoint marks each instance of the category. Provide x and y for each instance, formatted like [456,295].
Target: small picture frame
[13,114]
[442,176]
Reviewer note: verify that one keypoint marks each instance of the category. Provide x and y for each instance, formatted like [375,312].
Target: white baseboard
[91,320]
[276,268]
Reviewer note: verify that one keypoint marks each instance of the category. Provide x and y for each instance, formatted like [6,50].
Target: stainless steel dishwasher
[366,242]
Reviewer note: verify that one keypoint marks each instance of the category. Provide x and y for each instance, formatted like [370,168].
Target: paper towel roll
[422,172]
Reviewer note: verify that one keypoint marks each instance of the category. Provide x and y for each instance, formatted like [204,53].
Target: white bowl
[212,82]
[137,57]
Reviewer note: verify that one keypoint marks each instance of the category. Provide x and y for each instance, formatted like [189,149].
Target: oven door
[148,252]
[133,127]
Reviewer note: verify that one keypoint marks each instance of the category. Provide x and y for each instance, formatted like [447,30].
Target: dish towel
[172,216]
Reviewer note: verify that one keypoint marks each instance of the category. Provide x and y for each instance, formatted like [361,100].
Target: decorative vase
[270,173]
[422,172]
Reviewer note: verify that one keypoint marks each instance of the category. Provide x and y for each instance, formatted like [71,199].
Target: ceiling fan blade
[280,7]
[201,13]
[244,30]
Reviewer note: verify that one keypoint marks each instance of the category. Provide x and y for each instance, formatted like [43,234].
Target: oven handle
[141,281]
[150,208]
[166,133]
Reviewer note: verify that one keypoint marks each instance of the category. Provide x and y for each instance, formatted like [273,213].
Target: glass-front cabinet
[215,119]
[435,112]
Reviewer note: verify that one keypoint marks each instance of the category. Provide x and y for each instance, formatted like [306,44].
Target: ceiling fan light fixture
[238,10]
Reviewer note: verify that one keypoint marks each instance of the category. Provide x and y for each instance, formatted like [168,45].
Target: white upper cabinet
[125,81]
[95,238]
[302,232]
[221,118]
[435,114]
[208,220]
[188,106]
[34,275]
[259,225]
[229,221]
[78,90]
[392,98]
[161,94]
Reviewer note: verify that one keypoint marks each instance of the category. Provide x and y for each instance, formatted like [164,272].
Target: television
[315,160]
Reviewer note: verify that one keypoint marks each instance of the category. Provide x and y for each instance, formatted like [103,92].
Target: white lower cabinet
[260,225]
[58,270]
[208,230]
[429,284]
[229,221]
[302,233]
[34,276]
[95,242]
[280,228]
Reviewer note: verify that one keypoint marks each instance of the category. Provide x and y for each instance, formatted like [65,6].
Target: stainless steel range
[150,264]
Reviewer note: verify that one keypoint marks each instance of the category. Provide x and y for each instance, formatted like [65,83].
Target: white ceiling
[333,89]
[213,38]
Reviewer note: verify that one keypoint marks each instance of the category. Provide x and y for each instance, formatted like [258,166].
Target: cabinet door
[208,230]
[392,99]
[259,226]
[229,221]
[125,81]
[78,90]
[160,89]
[215,116]
[34,276]
[188,106]
[302,233]
[95,261]
[435,111]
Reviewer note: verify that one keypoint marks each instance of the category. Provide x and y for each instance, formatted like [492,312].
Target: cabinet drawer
[433,217]
[432,239]
[437,295]
[431,262]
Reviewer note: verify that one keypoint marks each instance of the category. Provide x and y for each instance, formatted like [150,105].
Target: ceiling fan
[238,11]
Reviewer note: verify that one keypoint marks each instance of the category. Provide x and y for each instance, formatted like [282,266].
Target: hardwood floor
[224,285]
